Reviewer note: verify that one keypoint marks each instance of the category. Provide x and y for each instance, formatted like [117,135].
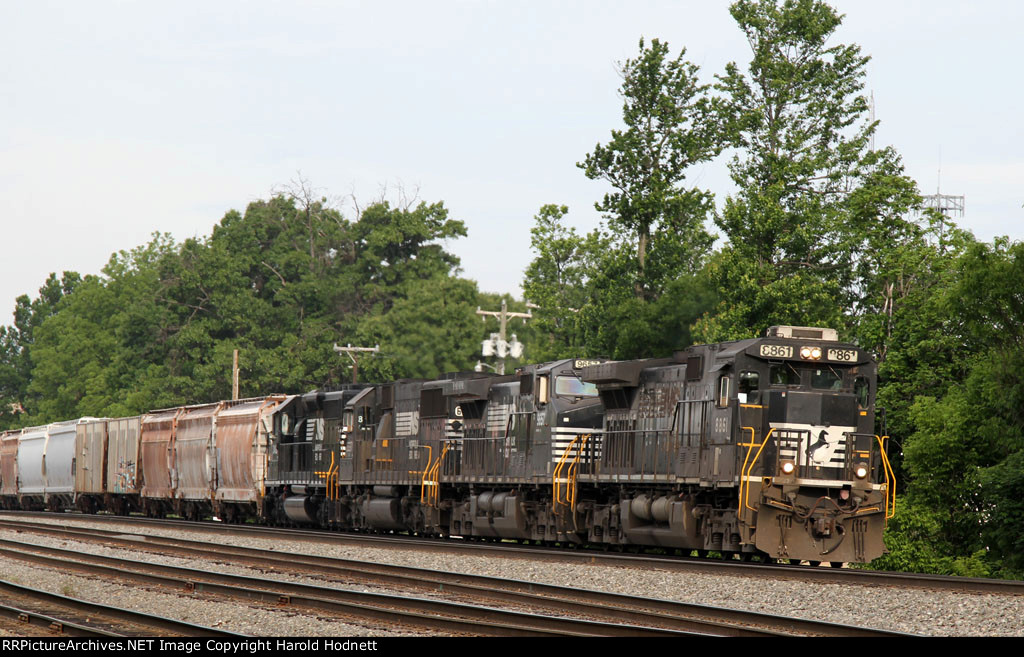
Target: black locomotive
[755,447]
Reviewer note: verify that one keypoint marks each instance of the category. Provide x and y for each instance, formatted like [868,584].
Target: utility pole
[355,361]
[234,376]
[497,342]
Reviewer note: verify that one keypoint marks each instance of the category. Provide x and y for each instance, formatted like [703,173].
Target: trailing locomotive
[755,447]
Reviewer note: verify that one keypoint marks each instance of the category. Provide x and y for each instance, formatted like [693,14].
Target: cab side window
[723,391]
[862,390]
[747,388]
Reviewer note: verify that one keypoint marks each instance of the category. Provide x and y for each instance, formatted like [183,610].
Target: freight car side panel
[9,463]
[157,447]
[90,446]
[60,458]
[31,451]
[241,450]
[124,477]
[195,460]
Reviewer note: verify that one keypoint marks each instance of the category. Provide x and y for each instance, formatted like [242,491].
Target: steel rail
[435,614]
[853,576]
[665,613]
[61,626]
[100,614]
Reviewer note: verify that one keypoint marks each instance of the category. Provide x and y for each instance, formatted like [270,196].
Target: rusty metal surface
[241,449]
[123,473]
[9,462]
[90,446]
[194,457]
[157,446]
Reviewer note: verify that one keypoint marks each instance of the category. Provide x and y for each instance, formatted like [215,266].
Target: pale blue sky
[118,119]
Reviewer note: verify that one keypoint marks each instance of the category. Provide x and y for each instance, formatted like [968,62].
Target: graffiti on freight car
[124,478]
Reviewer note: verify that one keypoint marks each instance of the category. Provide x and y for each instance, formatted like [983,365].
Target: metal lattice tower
[951,207]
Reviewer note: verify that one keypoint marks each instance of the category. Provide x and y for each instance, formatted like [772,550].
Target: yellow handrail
[435,475]
[327,476]
[750,448]
[745,473]
[426,472]
[430,488]
[570,478]
[890,479]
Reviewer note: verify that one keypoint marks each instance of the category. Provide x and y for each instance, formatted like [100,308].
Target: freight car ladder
[564,479]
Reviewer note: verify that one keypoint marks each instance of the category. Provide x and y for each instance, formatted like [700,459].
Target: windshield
[826,379]
[570,386]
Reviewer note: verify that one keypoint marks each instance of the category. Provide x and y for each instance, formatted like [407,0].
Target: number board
[842,355]
[776,351]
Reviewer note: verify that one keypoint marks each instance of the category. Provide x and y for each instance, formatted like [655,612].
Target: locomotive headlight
[861,471]
[788,467]
[810,353]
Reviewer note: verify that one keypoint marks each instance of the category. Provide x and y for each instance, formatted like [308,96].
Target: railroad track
[434,614]
[68,616]
[670,563]
[580,603]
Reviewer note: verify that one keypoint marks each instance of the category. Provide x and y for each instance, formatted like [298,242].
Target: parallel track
[398,609]
[578,602]
[671,563]
[64,615]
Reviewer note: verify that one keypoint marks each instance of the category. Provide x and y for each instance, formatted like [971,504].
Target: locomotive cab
[812,464]
[567,413]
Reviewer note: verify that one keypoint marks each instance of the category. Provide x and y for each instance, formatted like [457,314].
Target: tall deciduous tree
[671,125]
[813,196]
[556,281]
[16,342]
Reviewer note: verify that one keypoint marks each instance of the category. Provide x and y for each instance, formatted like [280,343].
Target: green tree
[431,330]
[556,281]
[16,342]
[671,125]
[965,428]
[393,247]
[604,293]
[813,197]
[281,282]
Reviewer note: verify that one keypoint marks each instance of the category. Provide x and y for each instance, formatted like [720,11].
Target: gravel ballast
[931,613]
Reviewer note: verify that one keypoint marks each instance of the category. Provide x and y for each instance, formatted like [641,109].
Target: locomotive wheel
[836,564]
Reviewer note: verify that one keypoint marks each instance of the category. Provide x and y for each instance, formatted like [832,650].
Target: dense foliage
[281,283]
[821,229]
